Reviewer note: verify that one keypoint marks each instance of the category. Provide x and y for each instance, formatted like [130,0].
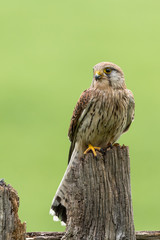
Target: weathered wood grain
[98,197]
[146,235]
[143,235]
[11,227]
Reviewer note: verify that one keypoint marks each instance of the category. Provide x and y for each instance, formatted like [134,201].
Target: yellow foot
[91,148]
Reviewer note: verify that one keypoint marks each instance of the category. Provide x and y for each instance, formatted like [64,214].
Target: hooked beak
[98,75]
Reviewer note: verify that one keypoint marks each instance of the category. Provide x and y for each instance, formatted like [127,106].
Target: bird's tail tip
[56,218]
[58,211]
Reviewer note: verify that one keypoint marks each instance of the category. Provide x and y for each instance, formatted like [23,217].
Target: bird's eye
[107,70]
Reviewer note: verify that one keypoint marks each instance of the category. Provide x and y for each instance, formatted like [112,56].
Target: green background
[47,51]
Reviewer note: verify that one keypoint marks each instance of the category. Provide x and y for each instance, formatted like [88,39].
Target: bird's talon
[93,149]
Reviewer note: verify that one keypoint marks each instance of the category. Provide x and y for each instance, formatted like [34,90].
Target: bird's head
[106,74]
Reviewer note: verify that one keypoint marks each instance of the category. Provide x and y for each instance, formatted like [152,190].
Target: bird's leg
[91,148]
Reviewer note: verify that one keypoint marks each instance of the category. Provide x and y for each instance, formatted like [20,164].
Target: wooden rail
[154,235]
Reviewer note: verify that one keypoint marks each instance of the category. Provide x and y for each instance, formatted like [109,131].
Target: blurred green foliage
[47,51]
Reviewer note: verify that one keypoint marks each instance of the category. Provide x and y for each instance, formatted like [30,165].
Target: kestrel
[103,112]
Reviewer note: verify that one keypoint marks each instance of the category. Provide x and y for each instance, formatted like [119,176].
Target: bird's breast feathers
[104,118]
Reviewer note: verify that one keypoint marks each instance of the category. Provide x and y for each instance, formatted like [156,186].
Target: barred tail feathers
[58,207]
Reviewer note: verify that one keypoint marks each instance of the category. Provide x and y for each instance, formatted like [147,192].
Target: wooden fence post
[98,197]
[11,227]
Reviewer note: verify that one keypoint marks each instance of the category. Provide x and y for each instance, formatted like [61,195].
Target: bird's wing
[130,110]
[77,117]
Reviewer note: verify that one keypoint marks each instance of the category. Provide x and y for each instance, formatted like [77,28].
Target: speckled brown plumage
[80,106]
[103,112]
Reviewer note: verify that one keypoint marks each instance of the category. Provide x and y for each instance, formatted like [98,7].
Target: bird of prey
[103,112]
